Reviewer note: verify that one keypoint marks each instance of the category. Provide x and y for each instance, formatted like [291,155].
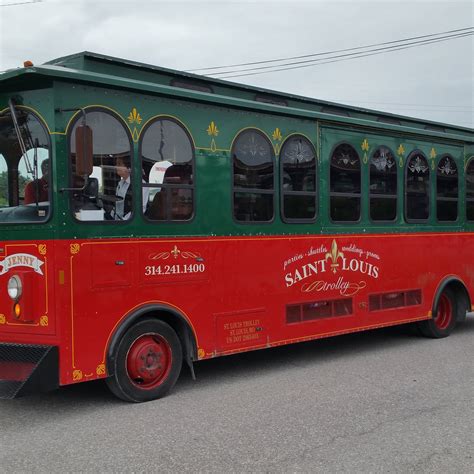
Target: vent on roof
[435,128]
[195,86]
[267,99]
[391,121]
[327,109]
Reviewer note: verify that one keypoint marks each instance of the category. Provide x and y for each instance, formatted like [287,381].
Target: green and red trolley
[150,219]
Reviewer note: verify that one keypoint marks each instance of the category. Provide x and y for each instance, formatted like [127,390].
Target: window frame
[235,189]
[171,186]
[314,193]
[383,196]
[437,198]
[466,199]
[51,195]
[430,187]
[78,116]
[359,220]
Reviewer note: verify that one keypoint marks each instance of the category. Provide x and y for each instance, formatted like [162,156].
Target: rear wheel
[444,318]
[148,361]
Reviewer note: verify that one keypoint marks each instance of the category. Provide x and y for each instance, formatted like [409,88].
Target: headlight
[14,287]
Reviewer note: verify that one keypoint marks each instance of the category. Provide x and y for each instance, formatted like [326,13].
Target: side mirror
[84,147]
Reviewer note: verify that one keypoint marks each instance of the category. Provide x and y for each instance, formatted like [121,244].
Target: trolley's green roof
[106,70]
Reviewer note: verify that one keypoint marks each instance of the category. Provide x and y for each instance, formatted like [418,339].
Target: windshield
[24,168]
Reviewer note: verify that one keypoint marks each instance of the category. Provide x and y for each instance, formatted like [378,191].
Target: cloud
[194,34]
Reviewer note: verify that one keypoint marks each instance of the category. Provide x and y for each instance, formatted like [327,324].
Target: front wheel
[444,318]
[147,362]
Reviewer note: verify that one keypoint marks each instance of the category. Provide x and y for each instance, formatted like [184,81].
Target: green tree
[22,182]
[3,188]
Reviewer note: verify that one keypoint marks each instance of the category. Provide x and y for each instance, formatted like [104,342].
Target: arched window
[447,189]
[24,178]
[298,179]
[383,185]
[253,177]
[470,189]
[345,184]
[168,166]
[417,188]
[106,194]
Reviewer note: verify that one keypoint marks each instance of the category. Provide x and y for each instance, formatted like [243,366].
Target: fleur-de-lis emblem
[134,117]
[365,148]
[212,130]
[334,255]
[175,252]
[433,153]
[400,150]
[277,135]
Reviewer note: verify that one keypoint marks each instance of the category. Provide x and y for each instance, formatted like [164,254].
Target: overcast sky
[435,82]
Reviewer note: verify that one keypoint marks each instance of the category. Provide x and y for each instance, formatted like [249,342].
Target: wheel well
[169,316]
[461,294]
[182,329]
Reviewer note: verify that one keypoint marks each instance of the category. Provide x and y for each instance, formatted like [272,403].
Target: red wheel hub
[444,314]
[149,361]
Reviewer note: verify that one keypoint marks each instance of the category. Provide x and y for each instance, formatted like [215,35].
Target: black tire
[147,362]
[444,318]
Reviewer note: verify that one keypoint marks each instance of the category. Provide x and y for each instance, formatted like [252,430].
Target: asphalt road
[385,400]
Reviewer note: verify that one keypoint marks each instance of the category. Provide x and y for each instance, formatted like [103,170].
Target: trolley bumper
[26,369]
